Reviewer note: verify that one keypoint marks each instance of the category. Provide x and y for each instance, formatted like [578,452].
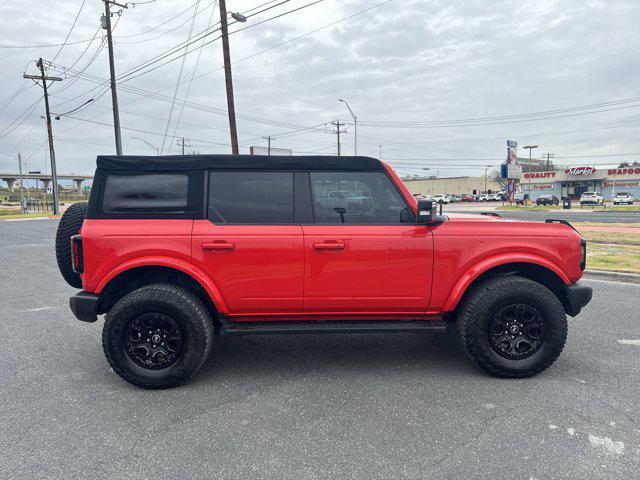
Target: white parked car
[441,198]
[623,198]
[591,198]
[485,197]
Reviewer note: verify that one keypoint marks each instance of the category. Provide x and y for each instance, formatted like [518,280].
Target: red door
[258,268]
[355,269]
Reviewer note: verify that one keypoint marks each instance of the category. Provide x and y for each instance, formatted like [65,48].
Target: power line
[175,92]
[140,70]
[193,73]
[75,20]
[166,32]
[146,93]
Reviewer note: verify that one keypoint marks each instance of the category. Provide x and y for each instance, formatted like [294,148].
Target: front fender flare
[187,268]
[479,268]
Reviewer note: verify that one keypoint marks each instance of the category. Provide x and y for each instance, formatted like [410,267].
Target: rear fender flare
[478,269]
[187,268]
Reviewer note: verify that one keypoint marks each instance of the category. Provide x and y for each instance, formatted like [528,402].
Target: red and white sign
[543,186]
[582,171]
[624,171]
[540,175]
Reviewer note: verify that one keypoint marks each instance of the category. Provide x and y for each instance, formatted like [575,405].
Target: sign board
[514,171]
[272,151]
[580,171]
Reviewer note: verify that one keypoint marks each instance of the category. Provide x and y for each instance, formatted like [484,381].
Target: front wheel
[511,326]
[157,336]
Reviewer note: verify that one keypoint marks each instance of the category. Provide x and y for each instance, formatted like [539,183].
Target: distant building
[457,185]
[572,181]
[535,164]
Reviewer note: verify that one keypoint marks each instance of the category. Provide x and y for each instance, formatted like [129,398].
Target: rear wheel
[157,336]
[512,326]
[69,225]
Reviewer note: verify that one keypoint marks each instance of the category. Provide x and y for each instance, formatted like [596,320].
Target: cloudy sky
[440,85]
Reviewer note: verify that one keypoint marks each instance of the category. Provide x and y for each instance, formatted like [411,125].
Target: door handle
[220,246]
[329,246]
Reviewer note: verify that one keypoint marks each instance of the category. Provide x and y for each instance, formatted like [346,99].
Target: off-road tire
[183,307]
[480,305]
[69,225]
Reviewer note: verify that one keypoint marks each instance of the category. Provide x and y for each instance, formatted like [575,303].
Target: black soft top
[235,162]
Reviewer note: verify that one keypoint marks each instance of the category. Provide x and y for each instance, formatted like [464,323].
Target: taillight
[583,254]
[77,260]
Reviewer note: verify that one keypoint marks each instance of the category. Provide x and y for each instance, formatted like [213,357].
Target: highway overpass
[45,178]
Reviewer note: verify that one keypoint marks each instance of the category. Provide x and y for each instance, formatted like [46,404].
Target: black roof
[235,162]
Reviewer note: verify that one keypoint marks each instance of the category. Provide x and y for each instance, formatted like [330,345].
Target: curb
[613,276]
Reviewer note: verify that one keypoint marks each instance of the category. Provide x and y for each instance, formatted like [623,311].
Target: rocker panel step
[334,326]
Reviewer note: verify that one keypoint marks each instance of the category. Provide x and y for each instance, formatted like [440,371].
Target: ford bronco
[178,249]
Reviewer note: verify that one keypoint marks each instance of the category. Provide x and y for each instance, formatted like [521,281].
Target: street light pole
[355,127]
[157,149]
[530,147]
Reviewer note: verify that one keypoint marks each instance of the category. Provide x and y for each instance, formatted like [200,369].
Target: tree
[496,178]
[627,164]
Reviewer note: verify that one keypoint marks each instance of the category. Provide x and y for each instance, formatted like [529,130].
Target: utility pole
[548,156]
[52,154]
[106,24]
[183,143]
[338,124]
[231,109]
[380,152]
[268,139]
[21,183]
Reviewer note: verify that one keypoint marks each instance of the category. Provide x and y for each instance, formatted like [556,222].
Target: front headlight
[583,254]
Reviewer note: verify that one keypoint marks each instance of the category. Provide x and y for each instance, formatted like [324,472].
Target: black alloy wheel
[516,331]
[158,336]
[153,341]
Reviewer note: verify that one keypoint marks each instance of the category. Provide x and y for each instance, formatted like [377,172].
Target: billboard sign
[270,151]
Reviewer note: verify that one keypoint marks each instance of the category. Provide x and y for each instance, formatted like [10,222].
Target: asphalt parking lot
[306,407]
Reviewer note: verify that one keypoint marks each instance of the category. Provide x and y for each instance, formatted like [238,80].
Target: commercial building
[456,185]
[573,181]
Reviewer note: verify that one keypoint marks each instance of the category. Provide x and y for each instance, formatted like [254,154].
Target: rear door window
[251,197]
[146,192]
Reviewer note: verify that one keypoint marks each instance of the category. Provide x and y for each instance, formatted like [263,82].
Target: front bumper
[578,295]
[84,306]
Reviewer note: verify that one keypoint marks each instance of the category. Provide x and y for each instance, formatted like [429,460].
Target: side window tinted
[251,197]
[357,197]
[153,192]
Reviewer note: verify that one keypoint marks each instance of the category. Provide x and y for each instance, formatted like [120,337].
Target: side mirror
[427,212]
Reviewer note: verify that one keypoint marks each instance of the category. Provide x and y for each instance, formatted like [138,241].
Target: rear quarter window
[150,192]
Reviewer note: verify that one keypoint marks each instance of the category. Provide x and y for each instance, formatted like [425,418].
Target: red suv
[176,250]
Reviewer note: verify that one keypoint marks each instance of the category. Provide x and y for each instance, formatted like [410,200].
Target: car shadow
[292,355]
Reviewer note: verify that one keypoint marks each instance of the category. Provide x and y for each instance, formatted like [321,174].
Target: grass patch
[25,215]
[613,257]
[607,238]
[603,224]
[617,208]
[534,208]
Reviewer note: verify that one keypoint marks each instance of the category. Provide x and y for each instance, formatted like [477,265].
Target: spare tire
[69,225]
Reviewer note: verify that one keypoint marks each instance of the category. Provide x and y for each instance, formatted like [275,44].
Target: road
[306,407]
[573,215]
